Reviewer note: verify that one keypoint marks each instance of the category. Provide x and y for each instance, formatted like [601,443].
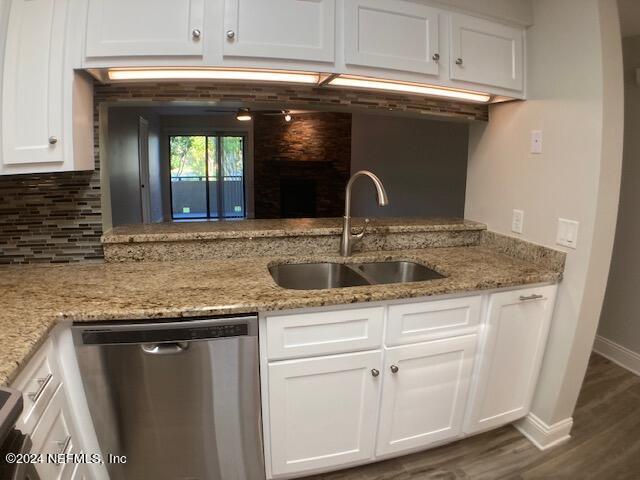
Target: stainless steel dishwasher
[179,399]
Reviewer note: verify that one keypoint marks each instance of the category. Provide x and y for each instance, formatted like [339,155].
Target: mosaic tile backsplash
[53,218]
[56,218]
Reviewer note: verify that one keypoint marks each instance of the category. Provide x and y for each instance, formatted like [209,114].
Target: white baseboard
[624,357]
[542,435]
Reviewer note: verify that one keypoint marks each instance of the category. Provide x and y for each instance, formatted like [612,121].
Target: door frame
[143,169]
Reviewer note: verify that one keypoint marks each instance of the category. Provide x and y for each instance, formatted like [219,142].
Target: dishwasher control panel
[163,332]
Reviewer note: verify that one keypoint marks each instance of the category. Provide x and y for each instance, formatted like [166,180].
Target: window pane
[213,176]
[233,171]
[188,187]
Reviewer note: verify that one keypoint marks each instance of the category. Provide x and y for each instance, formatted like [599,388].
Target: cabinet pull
[64,446]
[43,382]
[435,57]
[375,372]
[230,34]
[524,298]
[53,140]
[458,61]
[394,369]
[196,33]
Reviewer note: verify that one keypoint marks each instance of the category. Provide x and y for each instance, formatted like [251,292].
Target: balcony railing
[189,197]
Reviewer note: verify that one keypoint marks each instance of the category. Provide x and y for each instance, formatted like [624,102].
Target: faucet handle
[360,235]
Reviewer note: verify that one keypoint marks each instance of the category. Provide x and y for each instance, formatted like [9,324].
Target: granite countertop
[303,227]
[35,298]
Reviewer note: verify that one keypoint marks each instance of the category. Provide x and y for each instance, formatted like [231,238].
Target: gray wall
[620,319]
[422,163]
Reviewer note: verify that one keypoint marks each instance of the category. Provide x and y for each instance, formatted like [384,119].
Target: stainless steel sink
[316,276]
[395,272]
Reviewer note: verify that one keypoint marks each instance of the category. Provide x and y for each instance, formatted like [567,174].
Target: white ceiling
[629,17]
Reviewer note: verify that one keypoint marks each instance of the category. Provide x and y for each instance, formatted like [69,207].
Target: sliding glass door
[207,176]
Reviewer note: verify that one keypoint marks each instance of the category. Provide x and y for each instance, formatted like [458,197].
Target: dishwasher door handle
[164,348]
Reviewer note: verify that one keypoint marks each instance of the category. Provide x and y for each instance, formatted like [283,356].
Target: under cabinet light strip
[284,76]
[403,87]
[213,74]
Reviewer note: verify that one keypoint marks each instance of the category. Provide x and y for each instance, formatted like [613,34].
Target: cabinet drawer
[321,333]
[37,382]
[416,322]
[52,436]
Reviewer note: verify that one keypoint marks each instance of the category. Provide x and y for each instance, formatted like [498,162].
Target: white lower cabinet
[394,378]
[516,330]
[48,416]
[424,394]
[323,411]
[52,436]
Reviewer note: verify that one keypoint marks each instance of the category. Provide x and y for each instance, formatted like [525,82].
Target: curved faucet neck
[348,239]
[381,192]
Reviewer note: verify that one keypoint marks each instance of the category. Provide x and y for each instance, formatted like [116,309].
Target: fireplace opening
[298,198]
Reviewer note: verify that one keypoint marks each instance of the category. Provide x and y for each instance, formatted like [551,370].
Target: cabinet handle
[64,446]
[53,140]
[525,298]
[230,34]
[375,372]
[436,57]
[42,382]
[394,369]
[458,61]
[196,33]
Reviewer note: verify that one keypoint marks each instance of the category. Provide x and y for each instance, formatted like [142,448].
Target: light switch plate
[517,220]
[536,141]
[567,233]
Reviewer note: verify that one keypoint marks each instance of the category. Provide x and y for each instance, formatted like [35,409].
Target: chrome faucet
[349,239]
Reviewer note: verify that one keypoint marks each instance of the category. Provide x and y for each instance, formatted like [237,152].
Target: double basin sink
[317,276]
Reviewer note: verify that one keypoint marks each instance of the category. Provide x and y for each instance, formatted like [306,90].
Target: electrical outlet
[567,233]
[517,220]
[536,141]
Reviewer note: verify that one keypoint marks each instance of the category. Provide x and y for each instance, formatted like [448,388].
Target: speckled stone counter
[35,298]
[306,236]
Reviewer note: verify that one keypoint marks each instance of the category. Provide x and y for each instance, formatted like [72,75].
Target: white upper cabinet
[280,29]
[391,34]
[47,108]
[323,411]
[486,53]
[123,28]
[32,85]
[424,393]
[516,334]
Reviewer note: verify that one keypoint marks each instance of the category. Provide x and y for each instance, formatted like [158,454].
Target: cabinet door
[323,411]
[514,343]
[32,93]
[144,28]
[486,53]
[285,29]
[391,34]
[425,393]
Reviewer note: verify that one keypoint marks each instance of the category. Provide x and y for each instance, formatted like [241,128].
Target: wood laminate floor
[604,445]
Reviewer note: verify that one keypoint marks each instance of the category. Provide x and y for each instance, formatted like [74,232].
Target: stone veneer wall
[57,217]
[313,147]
